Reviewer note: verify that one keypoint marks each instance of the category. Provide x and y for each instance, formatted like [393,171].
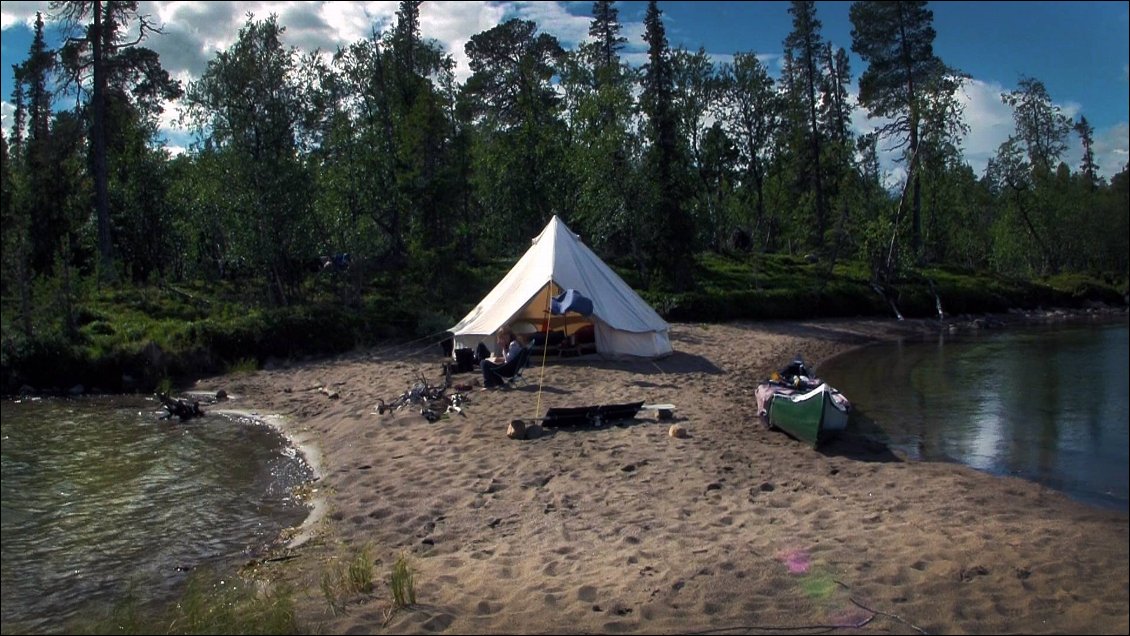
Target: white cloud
[354,21]
[634,31]
[551,17]
[990,124]
[195,31]
[635,59]
[1112,149]
[13,13]
[169,121]
[453,23]
[7,111]
[989,120]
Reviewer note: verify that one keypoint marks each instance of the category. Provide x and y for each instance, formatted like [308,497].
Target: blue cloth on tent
[570,300]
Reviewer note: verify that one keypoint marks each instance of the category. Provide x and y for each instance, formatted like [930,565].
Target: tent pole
[544,349]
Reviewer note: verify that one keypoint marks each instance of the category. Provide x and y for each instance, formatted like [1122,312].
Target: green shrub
[360,572]
[403,584]
[338,584]
[243,365]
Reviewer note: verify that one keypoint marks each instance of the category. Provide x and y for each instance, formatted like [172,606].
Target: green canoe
[814,416]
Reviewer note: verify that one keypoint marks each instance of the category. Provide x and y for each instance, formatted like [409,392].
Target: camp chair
[521,363]
[511,372]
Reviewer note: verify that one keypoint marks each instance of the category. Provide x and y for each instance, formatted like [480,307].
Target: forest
[331,201]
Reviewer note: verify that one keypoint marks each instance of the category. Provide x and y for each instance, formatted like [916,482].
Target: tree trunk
[98,148]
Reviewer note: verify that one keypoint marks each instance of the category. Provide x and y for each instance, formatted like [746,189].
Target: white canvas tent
[557,260]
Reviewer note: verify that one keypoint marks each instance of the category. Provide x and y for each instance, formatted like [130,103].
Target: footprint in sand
[968,574]
[438,623]
[484,608]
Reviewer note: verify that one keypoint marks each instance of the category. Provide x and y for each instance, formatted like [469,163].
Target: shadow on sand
[862,441]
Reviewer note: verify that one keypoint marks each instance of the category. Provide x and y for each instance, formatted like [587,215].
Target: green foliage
[402,582]
[332,592]
[207,605]
[131,338]
[1080,287]
[433,323]
[355,577]
[37,361]
[243,366]
[360,572]
[783,287]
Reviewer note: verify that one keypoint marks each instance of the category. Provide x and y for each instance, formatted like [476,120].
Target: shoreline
[311,455]
[497,528]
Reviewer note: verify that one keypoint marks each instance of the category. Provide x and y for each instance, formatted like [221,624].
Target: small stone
[677,431]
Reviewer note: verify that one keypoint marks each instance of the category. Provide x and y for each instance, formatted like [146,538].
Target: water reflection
[1046,404]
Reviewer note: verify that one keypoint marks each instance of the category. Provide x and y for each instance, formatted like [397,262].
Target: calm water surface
[99,496]
[1046,404]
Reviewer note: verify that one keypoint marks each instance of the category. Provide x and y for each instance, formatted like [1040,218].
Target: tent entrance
[562,335]
[534,316]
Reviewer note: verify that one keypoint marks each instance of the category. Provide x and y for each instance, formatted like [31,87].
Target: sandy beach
[624,528]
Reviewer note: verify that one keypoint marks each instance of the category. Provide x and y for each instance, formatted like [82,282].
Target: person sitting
[510,346]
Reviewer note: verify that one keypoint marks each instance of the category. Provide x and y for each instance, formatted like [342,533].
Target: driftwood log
[180,408]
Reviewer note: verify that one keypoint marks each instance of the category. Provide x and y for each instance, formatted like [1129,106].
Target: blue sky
[1079,50]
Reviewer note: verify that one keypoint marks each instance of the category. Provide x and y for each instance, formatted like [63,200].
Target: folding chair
[512,372]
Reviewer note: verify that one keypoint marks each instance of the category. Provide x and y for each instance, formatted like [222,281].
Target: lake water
[99,496]
[1047,404]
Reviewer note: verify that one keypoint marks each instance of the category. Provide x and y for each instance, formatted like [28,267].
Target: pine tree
[15,275]
[896,40]
[604,176]
[1087,138]
[671,248]
[47,222]
[97,53]
[605,30]
[1040,124]
[805,47]
[519,129]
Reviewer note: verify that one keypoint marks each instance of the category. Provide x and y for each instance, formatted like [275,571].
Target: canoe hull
[813,417]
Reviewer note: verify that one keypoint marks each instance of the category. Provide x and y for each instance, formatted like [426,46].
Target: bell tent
[557,261]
